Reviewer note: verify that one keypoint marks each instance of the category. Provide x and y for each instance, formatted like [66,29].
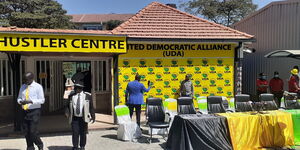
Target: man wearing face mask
[294,82]
[261,85]
[276,87]
[31,97]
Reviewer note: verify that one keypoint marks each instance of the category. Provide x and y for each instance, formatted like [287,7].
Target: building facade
[160,42]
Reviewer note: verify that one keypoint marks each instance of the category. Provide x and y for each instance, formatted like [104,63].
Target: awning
[284,53]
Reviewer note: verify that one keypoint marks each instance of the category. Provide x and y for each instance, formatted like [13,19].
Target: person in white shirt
[31,97]
[81,112]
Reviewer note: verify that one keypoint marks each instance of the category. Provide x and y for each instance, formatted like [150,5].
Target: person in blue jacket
[135,90]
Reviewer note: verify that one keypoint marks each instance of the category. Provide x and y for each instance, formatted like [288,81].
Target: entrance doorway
[52,75]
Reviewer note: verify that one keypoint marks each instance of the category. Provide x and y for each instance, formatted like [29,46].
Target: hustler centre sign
[62,43]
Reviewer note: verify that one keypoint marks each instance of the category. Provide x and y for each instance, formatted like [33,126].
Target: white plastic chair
[127,130]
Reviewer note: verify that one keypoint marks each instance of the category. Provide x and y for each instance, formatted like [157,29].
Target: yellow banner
[180,50]
[62,43]
[212,70]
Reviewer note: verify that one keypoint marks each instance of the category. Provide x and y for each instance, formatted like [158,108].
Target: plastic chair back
[171,104]
[123,114]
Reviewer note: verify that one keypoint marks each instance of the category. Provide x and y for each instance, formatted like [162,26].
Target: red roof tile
[14,29]
[161,21]
[98,18]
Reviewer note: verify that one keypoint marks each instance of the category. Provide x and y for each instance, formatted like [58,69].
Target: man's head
[187,77]
[78,87]
[276,74]
[263,76]
[28,78]
[296,67]
[137,77]
[78,69]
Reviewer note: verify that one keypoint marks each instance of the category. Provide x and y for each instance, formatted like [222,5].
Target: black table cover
[199,132]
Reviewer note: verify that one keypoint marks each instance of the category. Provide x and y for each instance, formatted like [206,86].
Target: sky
[120,6]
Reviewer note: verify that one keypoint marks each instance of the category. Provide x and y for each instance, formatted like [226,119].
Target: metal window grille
[102,75]
[43,74]
[6,77]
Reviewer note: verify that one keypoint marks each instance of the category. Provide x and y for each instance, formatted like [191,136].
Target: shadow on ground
[59,148]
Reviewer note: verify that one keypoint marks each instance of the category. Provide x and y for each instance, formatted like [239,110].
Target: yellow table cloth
[250,131]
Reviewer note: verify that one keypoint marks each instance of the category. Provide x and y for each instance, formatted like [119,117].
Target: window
[43,74]
[102,75]
[92,27]
[6,77]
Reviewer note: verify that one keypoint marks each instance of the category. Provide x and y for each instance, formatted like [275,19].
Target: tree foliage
[47,14]
[226,12]
[111,24]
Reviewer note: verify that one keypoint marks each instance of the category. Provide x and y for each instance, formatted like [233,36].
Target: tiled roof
[15,29]
[161,21]
[98,18]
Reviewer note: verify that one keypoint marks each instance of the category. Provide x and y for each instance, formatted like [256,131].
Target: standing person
[136,90]
[261,85]
[294,82]
[81,112]
[31,97]
[78,76]
[186,87]
[276,87]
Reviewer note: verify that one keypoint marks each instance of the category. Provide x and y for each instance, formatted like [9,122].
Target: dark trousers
[30,128]
[79,129]
[137,112]
[277,97]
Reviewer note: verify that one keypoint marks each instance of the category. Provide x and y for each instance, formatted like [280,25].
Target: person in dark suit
[81,112]
[31,97]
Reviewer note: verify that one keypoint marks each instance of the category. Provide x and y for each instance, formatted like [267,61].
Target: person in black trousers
[134,97]
[81,112]
[31,97]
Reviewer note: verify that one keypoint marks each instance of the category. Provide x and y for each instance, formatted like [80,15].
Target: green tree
[226,12]
[47,14]
[111,24]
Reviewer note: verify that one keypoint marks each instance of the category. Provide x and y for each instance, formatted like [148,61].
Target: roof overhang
[144,39]
[284,53]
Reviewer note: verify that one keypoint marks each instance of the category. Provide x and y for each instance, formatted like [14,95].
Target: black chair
[156,115]
[290,101]
[242,103]
[185,105]
[215,105]
[268,101]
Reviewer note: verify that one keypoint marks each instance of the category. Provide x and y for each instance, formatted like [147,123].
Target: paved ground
[97,140]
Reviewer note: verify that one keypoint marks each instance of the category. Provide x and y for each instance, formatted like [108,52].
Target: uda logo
[204,90]
[197,83]
[150,70]
[190,62]
[167,84]
[174,77]
[166,71]
[220,90]
[204,62]
[220,62]
[158,63]
[158,77]
[126,63]
[227,69]
[197,70]
[174,63]
[142,63]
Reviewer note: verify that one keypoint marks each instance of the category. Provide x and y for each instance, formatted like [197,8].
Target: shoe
[75,148]
[82,148]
